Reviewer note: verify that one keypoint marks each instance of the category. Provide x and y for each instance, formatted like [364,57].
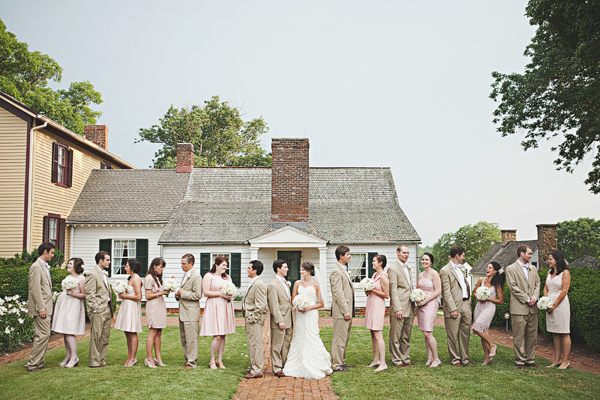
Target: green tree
[579,238]
[217,131]
[25,75]
[475,239]
[558,95]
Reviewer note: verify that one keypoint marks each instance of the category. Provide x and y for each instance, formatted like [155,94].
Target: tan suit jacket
[342,292]
[40,290]
[191,293]
[400,289]
[97,293]
[451,289]
[522,289]
[255,302]
[280,303]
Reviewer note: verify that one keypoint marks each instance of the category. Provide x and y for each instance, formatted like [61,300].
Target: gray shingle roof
[586,261]
[503,255]
[139,195]
[233,205]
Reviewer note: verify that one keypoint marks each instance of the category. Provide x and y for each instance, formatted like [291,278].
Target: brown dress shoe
[408,364]
[468,363]
[279,374]
[456,364]
[520,366]
[347,366]
[252,376]
[532,365]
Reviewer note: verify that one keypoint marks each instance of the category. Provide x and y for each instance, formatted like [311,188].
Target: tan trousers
[524,329]
[280,346]
[341,334]
[400,331]
[255,348]
[188,331]
[99,337]
[41,336]
[459,330]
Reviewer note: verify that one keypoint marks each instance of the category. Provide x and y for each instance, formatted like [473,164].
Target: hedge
[584,299]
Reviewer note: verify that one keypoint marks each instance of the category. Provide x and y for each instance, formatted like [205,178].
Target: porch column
[323,276]
[254,253]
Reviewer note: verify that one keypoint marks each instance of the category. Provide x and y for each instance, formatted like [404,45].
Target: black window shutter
[370,265]
[54,162]
[106,245]
[236,269]
[141,252]
[69,168]
[60,236]
[204,263]
[46,229]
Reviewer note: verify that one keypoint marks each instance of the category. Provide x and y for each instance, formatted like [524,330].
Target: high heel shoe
[147,363]
[134,362]
[493,353]
[64,363]
[160,364]
[73,362]
[566,366]
[212,365]
[220,364]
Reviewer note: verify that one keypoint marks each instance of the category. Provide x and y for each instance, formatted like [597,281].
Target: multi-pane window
[357,267]
[62,164]
[122,250]
[54,231]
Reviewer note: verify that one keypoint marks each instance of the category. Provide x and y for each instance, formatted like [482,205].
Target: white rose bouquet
[482,293]
[119,287]
[69,283]
[301,302]
[545,303]
[228,290]
[417,295]
[170,284]
[367,284]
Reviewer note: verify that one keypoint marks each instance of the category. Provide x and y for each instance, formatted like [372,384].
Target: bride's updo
[308,267]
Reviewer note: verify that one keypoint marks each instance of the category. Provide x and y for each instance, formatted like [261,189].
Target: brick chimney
[185,157]
[547,243]
[97,134]
[289,183]
[508,235]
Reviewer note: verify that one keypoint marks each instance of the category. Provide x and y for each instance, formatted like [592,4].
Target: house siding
[13,151]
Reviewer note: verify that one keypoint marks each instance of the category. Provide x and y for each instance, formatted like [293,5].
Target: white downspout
[30,177]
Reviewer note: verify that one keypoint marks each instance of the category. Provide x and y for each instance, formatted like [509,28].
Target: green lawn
[498,381]
[138,382]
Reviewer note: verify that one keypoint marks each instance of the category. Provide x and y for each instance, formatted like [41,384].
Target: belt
[465,298]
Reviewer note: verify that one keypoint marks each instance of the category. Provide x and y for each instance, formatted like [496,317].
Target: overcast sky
[371,83]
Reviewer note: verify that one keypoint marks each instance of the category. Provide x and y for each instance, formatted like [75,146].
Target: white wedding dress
[307,357]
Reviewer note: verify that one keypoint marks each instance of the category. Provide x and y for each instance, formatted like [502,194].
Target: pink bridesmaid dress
[427,313]
[375,310]
[219,316]
[130,314]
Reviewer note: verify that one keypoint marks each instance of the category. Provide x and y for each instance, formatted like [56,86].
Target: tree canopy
[579,238]
[25,75]
[475,239]
[558,95]
[217,131]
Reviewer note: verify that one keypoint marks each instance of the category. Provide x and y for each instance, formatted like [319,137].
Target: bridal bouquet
[545,303]
[119,287]
[482,293]
[170,284]
[367,284]
[301,302]
[417,295]
[228,290]
[69,283]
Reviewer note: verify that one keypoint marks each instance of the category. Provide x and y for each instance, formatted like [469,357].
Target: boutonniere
[288,283]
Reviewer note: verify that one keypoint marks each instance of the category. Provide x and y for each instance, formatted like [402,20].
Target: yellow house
[43,168]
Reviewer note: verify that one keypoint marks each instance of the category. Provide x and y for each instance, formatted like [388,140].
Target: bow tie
[526,266]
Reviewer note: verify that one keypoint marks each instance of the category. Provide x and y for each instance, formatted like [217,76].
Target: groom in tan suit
[457,306]
[524,284]
[99,307]
[401,308]
[280,304]
[342,309]
[40,306]
[189,295]
[255,311]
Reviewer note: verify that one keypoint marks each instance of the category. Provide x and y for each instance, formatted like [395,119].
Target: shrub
[16,326]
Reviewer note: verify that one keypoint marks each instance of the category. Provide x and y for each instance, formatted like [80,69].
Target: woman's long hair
[561,264]
[218,261]
[157,277]
[499,278]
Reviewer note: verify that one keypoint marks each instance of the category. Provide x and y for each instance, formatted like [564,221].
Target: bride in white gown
[307,357]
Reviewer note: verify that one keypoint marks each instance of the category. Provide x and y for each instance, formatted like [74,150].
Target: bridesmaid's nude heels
[73,362]
[147,363]
[220,364]
[160,364]
[64,363]
[212,365]
[493,352]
